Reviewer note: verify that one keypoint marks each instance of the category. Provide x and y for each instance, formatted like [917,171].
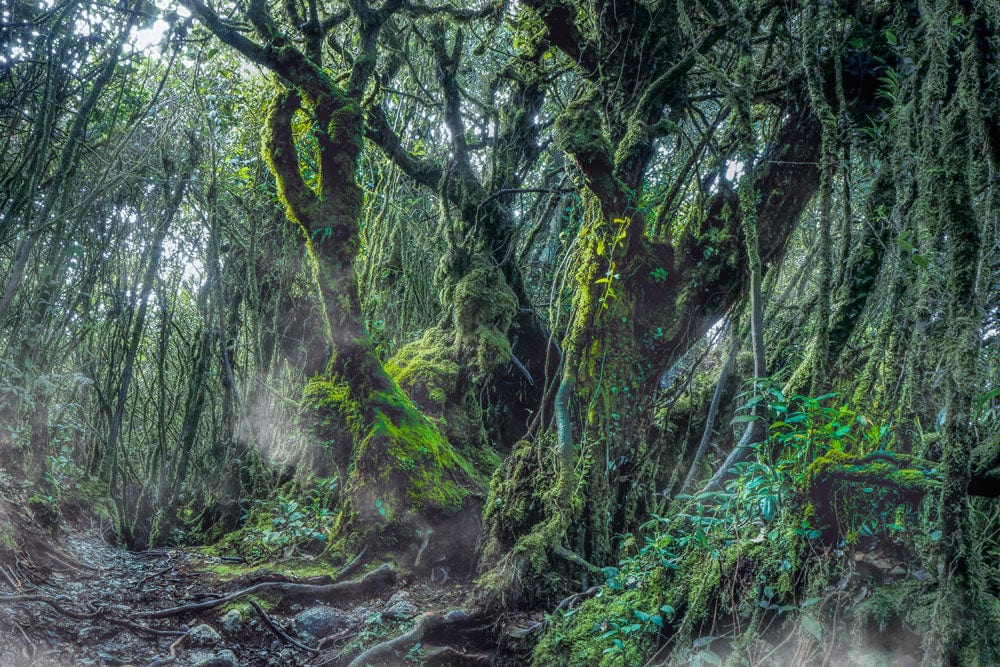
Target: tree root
[159,662]
[97,615]
[370,583]
[263,575]
[75,615]
[393,651]
[568,602]
[575,558]
[451,656]
[28,644]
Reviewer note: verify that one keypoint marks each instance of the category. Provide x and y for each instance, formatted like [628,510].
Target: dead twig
[145,628]
[276,629]
[154,575]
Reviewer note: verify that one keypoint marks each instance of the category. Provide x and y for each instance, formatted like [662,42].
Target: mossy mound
[427,370]
[484,308]
[400,472]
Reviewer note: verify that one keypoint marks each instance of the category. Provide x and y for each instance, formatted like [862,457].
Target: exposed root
[570,601]
[575,558]
[351,566]
[370,583]
[173,653]
[28,644]
[99,614]
[18,599]
[448,655]
[392,651]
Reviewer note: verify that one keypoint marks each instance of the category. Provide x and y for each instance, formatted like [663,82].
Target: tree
[402,470]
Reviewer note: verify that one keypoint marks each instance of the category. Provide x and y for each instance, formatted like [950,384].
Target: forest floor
[97,606]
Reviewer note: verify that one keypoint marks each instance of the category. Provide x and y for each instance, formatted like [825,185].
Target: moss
[403,450]
[888,602]
[294,569]
[898,471]
[428,370]
[578,637]
[333,417]
[245,609]
[484,307]
[580,132]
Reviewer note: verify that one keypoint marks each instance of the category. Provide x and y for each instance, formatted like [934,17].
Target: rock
[204,635]
[231,621]
[401,611]
[224,658]
[921,575]
[399,596]
[319,622]
[897,571]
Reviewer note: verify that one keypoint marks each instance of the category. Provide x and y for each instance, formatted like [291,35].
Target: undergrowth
[295,521]
[754,572]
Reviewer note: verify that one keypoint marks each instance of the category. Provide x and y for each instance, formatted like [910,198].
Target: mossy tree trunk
[640,298]
[396,467]
[490,342]
[952,133]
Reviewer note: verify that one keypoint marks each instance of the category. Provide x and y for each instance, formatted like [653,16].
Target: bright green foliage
[399,463]
[293,522]
[739,554]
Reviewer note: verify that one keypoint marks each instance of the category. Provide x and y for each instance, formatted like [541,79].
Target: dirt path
[98,615]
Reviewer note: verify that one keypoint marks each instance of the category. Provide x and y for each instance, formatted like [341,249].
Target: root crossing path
[100,605]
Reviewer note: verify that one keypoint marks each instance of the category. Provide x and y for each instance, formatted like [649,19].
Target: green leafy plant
[767,500]
[608,249]
[288,525]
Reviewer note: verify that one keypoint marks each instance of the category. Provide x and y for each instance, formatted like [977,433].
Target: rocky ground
[101,605]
